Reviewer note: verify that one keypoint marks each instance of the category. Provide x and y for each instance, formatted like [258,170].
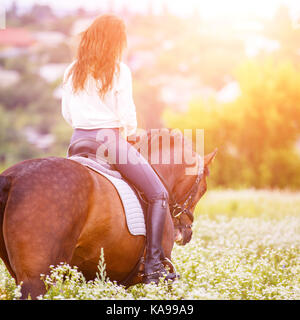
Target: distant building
[16,37]
[52,71]
[49,38]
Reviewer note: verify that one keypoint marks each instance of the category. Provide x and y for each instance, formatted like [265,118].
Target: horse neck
[174,175]
[175,178]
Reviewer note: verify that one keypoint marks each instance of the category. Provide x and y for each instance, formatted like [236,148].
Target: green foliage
[8,288]
[256,134]
[264,204]
[21,64]
[13,144]
[66,282]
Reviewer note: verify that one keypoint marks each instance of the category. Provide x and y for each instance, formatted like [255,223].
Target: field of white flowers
[246,245]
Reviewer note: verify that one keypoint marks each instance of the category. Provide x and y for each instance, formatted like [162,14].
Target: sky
[207,8]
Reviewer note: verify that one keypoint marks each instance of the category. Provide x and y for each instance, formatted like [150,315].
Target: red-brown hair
[99,53]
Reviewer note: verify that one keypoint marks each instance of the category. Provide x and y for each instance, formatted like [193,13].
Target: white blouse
[86,110]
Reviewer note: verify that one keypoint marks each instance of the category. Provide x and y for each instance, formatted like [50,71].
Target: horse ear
[210,157]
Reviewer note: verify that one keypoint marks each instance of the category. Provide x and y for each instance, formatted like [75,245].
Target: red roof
[16,37]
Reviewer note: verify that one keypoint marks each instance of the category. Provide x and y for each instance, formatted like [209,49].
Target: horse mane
[155,139]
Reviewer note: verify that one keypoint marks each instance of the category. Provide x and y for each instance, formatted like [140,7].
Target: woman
[97,96]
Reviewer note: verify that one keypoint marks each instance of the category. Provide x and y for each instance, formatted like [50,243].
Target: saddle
[84,151]
[87,148]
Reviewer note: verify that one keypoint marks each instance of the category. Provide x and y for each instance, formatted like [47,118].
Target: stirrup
[156,275]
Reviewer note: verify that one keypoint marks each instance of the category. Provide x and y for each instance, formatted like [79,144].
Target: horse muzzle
[183,236]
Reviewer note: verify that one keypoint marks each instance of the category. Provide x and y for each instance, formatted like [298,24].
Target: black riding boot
[156,216]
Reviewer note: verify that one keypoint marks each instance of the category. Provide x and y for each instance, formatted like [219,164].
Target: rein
[176,208]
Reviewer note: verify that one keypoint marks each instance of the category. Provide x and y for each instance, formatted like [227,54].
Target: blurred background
[229,67]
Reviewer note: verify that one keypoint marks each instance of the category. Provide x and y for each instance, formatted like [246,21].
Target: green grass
[246,245]
[250,203]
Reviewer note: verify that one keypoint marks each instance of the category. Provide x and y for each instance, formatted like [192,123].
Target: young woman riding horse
[97,96]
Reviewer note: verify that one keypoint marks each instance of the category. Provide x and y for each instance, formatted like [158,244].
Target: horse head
[185,190]
[190,190]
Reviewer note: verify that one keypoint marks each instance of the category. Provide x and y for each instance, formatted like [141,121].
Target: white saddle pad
[132,207]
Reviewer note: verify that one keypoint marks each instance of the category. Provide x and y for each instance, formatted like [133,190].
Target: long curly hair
[99,53]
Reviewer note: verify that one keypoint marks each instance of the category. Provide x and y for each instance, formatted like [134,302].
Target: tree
[256,134]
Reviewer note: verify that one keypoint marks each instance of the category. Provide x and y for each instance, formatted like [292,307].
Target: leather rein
[183,206]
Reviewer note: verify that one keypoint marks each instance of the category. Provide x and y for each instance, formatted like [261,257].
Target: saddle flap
[134,206]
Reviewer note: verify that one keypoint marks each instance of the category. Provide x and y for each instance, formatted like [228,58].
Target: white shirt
[86,110]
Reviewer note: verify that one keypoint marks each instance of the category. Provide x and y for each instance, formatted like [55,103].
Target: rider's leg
[138,171]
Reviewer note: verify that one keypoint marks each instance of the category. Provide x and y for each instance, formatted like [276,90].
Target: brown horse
[56,210]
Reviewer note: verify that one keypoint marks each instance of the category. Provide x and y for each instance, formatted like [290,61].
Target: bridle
[183,206]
